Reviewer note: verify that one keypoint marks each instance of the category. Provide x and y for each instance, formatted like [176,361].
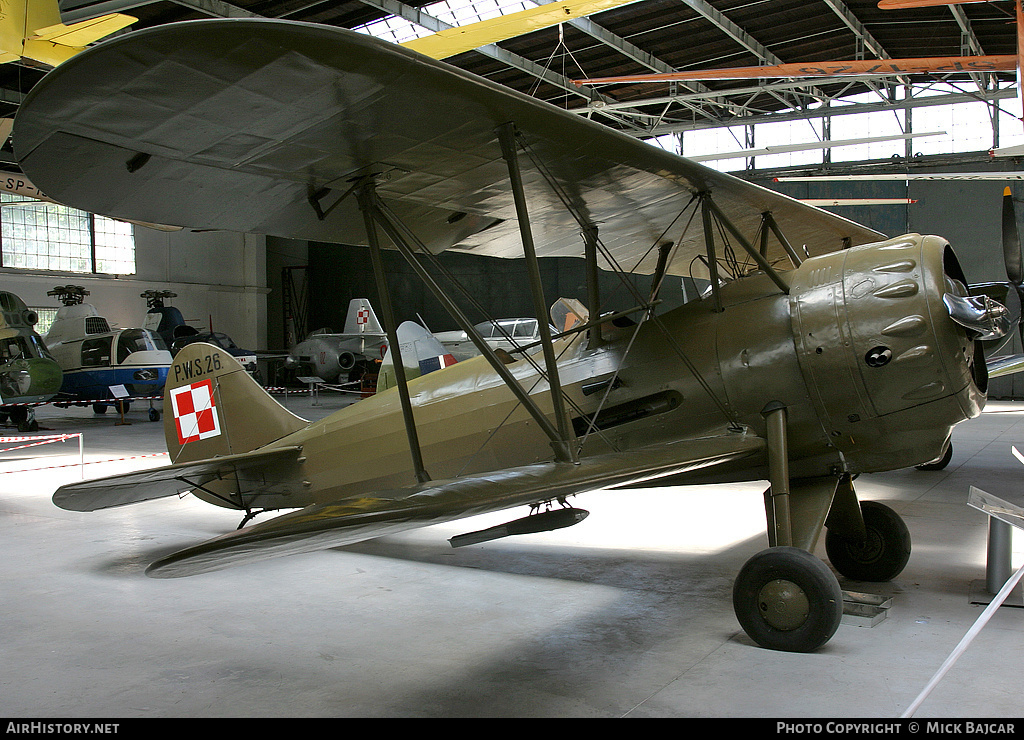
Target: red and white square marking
[195,413]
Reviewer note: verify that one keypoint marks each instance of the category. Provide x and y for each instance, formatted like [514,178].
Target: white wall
[219,277]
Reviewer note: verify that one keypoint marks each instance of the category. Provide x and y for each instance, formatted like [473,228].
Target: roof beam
[832,111]
[218,8]
[859,29]
[732,30]
[967,31]
[417,16]
[95,10]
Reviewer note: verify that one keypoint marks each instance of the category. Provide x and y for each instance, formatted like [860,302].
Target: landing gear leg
[878,554]
[25,418]
[784,597]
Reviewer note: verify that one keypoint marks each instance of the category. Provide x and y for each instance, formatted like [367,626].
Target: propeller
[1011,242]
[1011,292]
[1012,259]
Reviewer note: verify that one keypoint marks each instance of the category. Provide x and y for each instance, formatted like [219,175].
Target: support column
[998,564]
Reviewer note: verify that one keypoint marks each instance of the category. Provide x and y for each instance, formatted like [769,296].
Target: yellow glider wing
[262,126]
[32,29]
[459,39]
[358,518]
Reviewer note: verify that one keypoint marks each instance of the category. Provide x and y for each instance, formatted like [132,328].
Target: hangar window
[46,236]
[863,127]
[453,12]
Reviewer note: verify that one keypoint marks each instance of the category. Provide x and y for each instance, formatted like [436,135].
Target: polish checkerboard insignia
[195,412]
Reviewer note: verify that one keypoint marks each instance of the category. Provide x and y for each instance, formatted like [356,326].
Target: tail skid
[213,407]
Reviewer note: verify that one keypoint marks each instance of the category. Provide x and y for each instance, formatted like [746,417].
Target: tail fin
[213,407]
[422,353]
[361,319]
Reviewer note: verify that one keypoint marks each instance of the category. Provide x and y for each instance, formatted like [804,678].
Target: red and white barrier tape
[35,441]
[90,462]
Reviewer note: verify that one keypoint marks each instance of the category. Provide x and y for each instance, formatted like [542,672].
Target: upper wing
[262,126]
[270,472]
[359,518]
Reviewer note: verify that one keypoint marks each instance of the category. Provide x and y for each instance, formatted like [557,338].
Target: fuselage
[28,374]
[95,357]
[862,353]
[331,357]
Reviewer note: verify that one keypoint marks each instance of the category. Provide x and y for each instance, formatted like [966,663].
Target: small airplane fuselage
[862,353]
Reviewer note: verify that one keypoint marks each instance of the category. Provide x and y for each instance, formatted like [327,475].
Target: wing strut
[709,243]
[407,244]
[509,149]
[769,221]
[365,196]
[761,261]
[593,292]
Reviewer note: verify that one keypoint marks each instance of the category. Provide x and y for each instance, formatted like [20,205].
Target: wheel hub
[869,550]
[783,604]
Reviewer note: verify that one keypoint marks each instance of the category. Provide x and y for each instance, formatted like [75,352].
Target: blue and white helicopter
[104,366]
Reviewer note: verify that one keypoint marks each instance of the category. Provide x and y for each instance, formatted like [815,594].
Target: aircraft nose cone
[982,316]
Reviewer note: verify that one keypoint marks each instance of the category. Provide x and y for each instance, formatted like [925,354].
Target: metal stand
[998,568]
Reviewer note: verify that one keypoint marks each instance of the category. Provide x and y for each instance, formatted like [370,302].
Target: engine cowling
[889,370]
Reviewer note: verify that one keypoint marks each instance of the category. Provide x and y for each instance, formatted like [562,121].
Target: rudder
[361,319]
[213,407]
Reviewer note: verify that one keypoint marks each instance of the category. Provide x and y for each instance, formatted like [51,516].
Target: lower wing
[322,526]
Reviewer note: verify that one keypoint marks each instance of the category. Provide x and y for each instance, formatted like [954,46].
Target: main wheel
[787,599]
[881,556]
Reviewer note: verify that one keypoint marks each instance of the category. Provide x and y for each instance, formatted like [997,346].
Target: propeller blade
[1011,241]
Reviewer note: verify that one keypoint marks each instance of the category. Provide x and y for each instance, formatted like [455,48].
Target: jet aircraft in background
[336,357]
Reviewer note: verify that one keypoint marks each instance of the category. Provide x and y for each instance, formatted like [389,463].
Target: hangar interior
[627,614]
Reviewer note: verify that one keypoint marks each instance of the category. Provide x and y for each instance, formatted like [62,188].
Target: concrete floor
[627,614]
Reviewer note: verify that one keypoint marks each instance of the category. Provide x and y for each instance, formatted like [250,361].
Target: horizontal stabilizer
[359,518]
[251,469]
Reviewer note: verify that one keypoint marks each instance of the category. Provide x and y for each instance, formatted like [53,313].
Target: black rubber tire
[882,556]
[787,599]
